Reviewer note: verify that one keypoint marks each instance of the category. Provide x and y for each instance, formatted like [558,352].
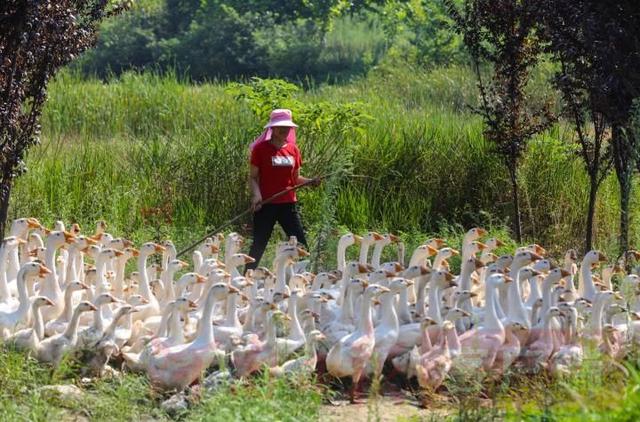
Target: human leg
[263,222]
[289,218]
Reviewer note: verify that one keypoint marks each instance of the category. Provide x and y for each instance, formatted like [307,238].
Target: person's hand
[256,203]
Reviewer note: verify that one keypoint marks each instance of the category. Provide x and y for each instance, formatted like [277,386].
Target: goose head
[473,234]
[109,253]
[12,242]
[460,296]
[488,258]
[593,257]
[399,284]
[40,301]
[221,290]
[104,299]
[353,268]
[380,276]
[427,250]
[86,307]
[136,300]
[184,304]
[527,272]
[349,239]
[435,243]
[192,278]
[415,271]
[21,226]
[75,286]
[494,243]
[150,248]
[455,314]
[442,279]
[57,239]
[525,257]
[35,269]
[446,253]
[35,241]
[543,266]
[120,243]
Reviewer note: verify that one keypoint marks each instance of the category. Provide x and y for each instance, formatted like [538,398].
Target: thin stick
[249,210]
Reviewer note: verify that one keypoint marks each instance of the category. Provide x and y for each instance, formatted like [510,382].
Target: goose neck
[389,318]
[366,322]
[72,329]
[205,329]
[4,287]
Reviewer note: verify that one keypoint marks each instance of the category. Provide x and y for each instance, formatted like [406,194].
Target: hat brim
[280,123]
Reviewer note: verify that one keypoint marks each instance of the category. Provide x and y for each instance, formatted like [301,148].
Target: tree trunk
[625,196]
[5,194]
[516,204]
[593,192]
[622,144]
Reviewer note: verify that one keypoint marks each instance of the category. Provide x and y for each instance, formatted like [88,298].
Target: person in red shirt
[275,166]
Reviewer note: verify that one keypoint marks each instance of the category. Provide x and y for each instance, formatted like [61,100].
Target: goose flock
[62,292]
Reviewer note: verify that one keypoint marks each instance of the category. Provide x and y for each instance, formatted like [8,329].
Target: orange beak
[564,273]
[118,253]
[200,278]
[431,251]
[33,223]
[302,252]
[159,248]
[135,252]
[482,232]
[43,271]
[69,237]
[91,241]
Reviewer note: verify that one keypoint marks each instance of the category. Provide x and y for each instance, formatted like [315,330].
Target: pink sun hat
[280,117]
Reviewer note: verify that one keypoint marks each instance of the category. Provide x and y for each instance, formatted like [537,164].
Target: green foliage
[263,399]
[328,41]
[156,157]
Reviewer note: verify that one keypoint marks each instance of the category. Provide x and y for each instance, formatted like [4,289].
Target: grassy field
[601,390]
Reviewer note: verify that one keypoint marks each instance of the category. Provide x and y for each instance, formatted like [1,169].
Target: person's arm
[254,186]
[301,179]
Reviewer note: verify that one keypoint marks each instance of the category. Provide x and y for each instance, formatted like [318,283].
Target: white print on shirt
[282,161]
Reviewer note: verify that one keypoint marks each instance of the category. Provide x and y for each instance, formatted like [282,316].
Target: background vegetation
[150,132]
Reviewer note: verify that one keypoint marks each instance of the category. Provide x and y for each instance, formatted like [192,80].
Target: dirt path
[384,409]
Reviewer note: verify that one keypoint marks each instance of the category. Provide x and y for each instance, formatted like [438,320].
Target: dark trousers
[264,220]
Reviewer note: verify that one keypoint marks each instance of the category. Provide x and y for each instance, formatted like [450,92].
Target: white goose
[21,317]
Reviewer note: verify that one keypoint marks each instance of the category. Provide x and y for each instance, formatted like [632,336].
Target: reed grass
[157,156]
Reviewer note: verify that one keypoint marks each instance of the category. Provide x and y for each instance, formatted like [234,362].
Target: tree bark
[593,194]
[5,194]
[623,162]
[517,222]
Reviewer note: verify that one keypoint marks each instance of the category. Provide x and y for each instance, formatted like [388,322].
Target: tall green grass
[157,157]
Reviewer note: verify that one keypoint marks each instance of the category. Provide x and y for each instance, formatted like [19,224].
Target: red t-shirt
[277,168]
